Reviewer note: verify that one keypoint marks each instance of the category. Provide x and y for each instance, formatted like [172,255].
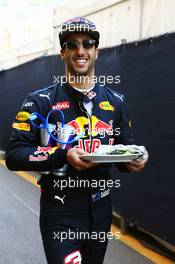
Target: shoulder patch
[21,126]
[23,116]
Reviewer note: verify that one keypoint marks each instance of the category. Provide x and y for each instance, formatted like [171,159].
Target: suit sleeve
[126,134]
[24,151]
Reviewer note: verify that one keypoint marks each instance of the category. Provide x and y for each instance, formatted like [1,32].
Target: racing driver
[72,215]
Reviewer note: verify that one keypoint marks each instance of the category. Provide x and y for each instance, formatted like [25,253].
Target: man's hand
[73,158]
[138,165]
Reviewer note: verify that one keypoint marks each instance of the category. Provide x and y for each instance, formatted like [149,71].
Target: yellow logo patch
[22,116]
[106,106]
[21,126]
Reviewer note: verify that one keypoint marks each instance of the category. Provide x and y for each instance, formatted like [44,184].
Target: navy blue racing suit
[75,211]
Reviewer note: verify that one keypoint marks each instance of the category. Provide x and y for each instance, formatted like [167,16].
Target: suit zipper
[90,124]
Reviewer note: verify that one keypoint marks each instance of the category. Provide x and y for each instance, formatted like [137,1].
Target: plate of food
[116,153]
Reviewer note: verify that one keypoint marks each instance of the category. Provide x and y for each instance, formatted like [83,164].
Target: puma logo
[45,95]
[119,96]
[59,198]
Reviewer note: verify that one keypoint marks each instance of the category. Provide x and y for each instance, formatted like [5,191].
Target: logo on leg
[59,198]
[73,258]
[99,195]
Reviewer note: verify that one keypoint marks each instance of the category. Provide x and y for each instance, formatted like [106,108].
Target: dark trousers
[76,231]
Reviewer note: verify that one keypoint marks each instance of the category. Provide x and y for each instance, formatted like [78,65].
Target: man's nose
[80,49]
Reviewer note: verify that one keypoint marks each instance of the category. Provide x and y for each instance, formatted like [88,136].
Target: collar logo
[106,106]
[91,95]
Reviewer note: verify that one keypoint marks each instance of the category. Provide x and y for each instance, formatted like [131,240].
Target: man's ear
[62,54]
[96,55]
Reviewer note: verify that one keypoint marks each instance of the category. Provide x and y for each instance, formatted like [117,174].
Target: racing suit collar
[78,96]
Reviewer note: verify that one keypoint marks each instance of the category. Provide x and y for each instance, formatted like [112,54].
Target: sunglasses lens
[88,44]
[71,45]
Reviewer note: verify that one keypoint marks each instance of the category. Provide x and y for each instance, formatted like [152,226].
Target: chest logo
[61,105]
[106,106]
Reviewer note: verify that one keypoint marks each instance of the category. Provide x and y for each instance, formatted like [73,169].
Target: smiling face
[79,61]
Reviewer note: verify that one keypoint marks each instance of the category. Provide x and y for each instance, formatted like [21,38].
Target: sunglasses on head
[73,44]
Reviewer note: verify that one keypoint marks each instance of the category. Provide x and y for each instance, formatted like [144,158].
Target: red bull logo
[101,128]
[94,126]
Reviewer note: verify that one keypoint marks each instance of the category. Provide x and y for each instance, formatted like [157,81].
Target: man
[72,217]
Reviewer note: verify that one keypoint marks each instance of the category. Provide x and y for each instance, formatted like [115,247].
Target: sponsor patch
[42,153]
[38,158]
[27,104]
[74,257]
[81,124]
[105,193]
[91,95]
[21,126]
[46,150]
[45,95]
[99,195]
[96,196]
[61,105]
[106,106]
[22,116]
